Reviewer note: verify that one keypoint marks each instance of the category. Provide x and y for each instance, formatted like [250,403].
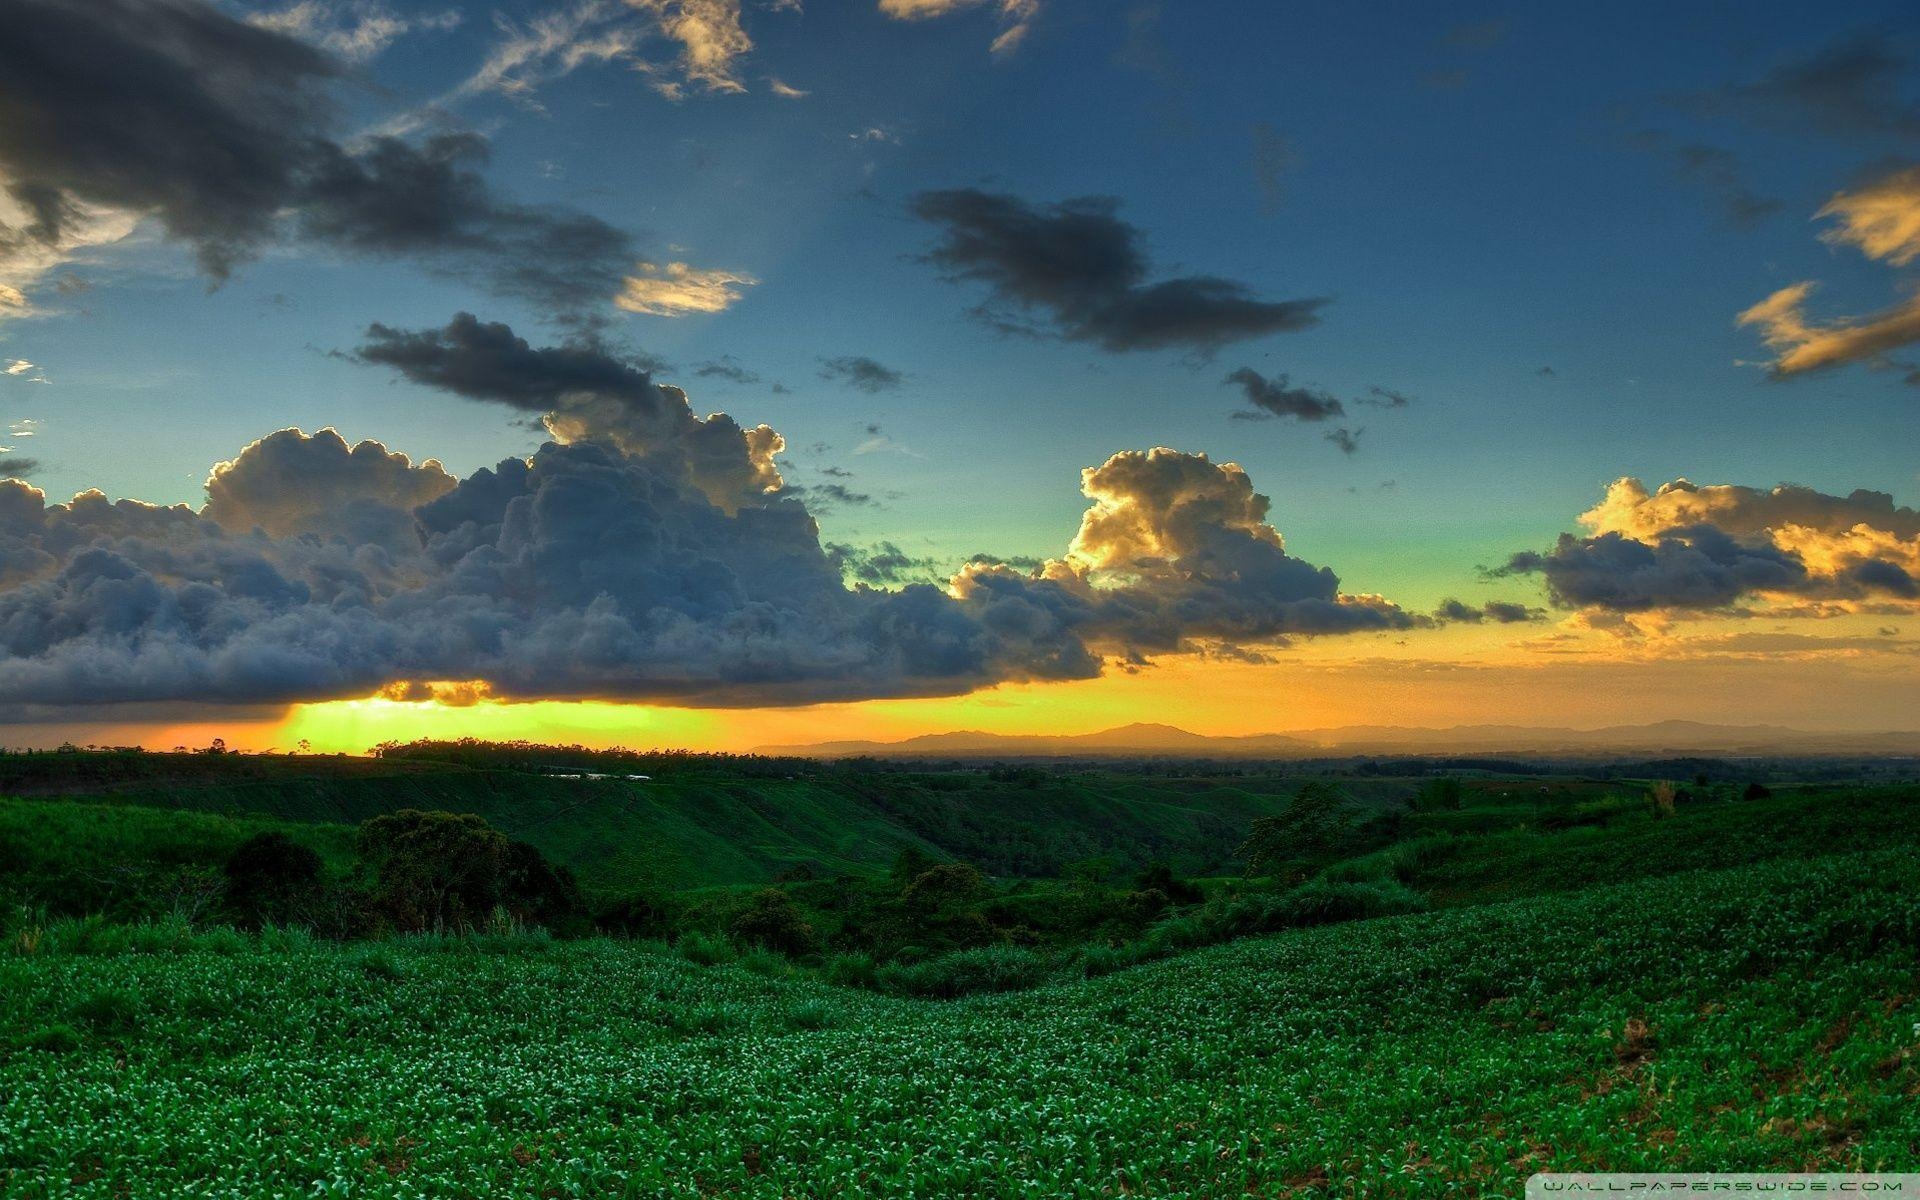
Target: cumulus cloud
[677,290]
[859,371]
[1081,272]
[1016,16]
[602,565]
[1688,546]
[221,133]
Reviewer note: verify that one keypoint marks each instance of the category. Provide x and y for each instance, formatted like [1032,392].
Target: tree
[1312,827]
[771,920]
[271,879]
[1440,795]
[1756,791]
[538,892]
[433,870]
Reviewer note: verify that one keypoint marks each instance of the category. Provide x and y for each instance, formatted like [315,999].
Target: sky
[721,372]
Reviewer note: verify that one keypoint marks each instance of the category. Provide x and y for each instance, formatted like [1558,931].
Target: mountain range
[1659,738]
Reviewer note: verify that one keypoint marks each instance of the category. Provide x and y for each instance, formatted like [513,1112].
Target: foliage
[1664,1025]
[1310,829]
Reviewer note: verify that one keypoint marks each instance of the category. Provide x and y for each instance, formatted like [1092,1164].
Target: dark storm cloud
[1861,86]
[859,371]
[1277,397]
[1082,273]
[223,133]
[624,559]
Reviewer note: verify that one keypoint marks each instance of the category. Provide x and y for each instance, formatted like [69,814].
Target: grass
[1758,1018]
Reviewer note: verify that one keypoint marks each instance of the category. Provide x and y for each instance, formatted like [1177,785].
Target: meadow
[1437,988]
[1755,1018]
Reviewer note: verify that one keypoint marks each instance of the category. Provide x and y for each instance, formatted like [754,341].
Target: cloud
[1500,612]
[1348,440]
[585,392]
[1881,218]
[727,368]
[859,371]
[1277,397]
[710,37]
[677,290]
[1081,271]
[18,467]
[600,566]
[1716,171]
[1688,546]
[1273,158]
[1380,397]
[786,92]
[1016,16]
[356,32]
[883,564]
[18,366]
[1860,86]
[220,132]
[1805,345]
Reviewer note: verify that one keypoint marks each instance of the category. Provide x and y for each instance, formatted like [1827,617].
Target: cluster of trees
[414,871]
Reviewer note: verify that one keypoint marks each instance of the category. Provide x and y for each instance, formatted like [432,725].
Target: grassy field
[705,827]
[1755,1018]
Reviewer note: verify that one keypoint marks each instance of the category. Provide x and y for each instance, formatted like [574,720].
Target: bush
[772,921]
[698,948]
[52,1039]
[763,962]
[108,1011]
[851,970]
[271,879]
[965,972]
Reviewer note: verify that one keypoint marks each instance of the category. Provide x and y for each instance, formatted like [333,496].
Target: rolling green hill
[1751,1019]
[694,828]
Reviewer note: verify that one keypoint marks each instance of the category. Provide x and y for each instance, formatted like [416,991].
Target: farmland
[1436,988]
[1754,1018]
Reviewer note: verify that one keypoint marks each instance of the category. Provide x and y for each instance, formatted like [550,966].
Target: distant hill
[1658,738]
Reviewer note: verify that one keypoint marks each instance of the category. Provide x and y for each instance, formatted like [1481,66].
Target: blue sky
[1520,217]
[1461,182]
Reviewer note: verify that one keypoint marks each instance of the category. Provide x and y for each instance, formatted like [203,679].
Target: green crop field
[1755,1018]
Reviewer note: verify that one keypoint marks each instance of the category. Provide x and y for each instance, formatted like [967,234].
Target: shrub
[772,921]
[108,1011]
[964,972]
[271,878]
[698,948]
[52,1039]
[851,970]
[380,963]
[763,962]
